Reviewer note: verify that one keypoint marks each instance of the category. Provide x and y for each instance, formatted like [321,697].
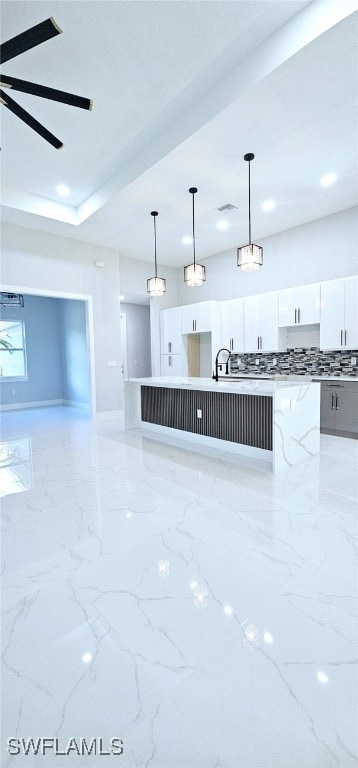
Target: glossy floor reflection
[199,609]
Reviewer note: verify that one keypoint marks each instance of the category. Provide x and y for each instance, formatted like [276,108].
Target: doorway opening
[135,340]
[57,352]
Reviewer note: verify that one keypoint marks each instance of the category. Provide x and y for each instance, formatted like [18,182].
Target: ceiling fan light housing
[194,275]
[156,286]
[250,257]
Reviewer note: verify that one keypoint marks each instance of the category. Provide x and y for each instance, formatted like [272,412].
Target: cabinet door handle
[232,345]
[341,338]
[295,315]
[258,342]
[345,338]
[299,314]
[170,361]
[332,402]
[337,397]
[169,346]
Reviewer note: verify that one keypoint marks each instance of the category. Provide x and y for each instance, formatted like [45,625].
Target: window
[12,350]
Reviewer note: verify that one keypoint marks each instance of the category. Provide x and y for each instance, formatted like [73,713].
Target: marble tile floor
[201,610]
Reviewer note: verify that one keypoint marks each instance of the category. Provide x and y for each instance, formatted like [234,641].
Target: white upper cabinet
[299,306]
[171,342]
[339,315]
[200,318]
[232,325]
[261,323]
[351,313]
[252,323]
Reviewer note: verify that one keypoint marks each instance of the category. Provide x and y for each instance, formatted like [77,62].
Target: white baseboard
[36,404]
[110,419]
[77,404]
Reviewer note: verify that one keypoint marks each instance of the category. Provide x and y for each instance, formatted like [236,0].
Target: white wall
[320,250]
[138,340]
[37,261]
[134,276]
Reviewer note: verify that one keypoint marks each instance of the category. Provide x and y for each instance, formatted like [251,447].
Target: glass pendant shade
[250,257]
[156,286]
[194,275]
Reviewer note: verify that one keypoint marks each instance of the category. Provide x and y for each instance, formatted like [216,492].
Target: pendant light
[194,274]
[250,256]
[155,285]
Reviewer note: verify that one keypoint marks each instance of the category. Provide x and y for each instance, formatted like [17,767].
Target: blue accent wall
[74,351]
[43,350]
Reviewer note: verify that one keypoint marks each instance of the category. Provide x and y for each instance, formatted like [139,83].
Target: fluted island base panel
[275,422]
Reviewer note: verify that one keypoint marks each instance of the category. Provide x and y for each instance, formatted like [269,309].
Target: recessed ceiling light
[222,225]
[228,610]
[328,179]
[122,298]
[193,584]
[63,190]
[268,637]
[268,205]
[86,658]
[187,240]
[322,677]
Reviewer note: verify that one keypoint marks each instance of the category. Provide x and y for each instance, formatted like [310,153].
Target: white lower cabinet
[173,365]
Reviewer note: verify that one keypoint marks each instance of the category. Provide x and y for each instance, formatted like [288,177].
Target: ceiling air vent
[228,207]
[11,299]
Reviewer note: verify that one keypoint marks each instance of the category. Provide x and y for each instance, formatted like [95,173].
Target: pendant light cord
[193,193]
[155,246]
[249,203]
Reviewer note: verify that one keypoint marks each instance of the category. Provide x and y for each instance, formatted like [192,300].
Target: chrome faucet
[220,365]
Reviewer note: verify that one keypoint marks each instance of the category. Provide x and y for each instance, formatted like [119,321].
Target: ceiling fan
[19,44]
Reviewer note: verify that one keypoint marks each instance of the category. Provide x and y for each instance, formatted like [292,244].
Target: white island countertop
[249,386]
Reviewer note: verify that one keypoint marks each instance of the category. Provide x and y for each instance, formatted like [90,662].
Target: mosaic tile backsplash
[305,361]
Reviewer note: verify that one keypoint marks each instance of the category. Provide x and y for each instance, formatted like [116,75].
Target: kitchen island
[277,422]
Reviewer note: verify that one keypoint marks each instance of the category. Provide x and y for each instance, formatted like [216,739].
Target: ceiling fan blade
[45,93]
[29,120]
[29,39]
